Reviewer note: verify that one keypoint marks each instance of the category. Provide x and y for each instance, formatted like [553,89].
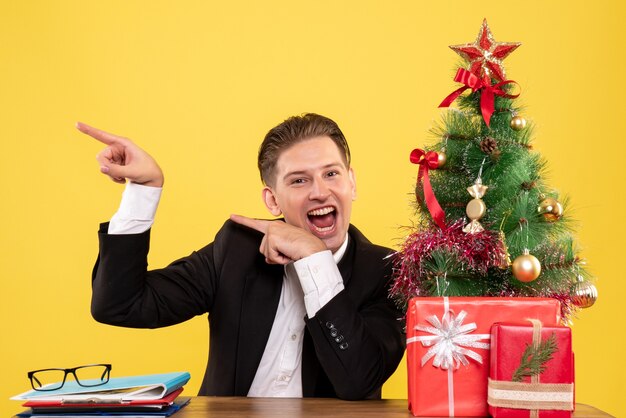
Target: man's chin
[333,243]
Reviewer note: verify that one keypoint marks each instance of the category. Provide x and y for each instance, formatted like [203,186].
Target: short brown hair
[293,130]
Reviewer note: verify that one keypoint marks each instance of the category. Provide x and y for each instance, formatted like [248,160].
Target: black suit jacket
[351,346]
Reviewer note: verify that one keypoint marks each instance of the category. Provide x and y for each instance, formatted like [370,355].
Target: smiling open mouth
[322,219]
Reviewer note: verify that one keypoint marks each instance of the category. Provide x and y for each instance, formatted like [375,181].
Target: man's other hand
[282,243]
[122,160]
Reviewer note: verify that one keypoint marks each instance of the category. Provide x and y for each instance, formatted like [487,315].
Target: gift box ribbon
[534,395]
[447,341]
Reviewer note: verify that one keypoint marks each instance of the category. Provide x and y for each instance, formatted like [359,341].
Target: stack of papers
[134,396]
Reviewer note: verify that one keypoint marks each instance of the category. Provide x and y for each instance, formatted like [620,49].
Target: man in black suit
[297,306]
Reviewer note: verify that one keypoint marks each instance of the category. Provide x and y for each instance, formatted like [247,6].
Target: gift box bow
[448,340]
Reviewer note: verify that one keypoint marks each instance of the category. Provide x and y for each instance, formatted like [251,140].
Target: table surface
[207,406]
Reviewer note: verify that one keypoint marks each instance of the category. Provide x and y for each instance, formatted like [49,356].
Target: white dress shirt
[308,284]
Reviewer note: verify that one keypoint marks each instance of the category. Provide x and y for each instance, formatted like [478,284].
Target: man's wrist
[312,251]
[152,183]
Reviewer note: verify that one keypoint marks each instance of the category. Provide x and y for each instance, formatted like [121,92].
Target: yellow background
[199,83]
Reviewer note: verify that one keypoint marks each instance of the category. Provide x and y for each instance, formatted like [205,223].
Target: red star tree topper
[485,55]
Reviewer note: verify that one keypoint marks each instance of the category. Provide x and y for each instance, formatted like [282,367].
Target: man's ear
[352,182]
[269,198]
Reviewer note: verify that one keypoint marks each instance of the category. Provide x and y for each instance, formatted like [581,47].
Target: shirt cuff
[320,280]
[137,209]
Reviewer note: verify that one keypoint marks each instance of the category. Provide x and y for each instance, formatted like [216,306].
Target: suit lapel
[258,309]
[346,263]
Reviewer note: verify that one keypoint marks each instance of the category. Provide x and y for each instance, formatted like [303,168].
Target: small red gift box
[513,392]
[448,349]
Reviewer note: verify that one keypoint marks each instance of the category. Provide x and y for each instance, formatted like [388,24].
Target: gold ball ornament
[441,158]
[518,123]
[551,209]
[526,267]
[584,294]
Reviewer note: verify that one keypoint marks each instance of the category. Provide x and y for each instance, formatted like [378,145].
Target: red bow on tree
[487,96]
[429,160]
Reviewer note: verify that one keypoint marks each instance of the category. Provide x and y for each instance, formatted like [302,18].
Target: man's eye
[297,181]
[332,174]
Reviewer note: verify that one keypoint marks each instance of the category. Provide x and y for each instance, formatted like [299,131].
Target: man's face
[313,189]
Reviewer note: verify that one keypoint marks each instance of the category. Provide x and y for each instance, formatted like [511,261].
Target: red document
[448,349]
[551,393]
[84,404]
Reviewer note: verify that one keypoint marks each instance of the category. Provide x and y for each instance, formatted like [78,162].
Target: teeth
[328,228]
[321,211]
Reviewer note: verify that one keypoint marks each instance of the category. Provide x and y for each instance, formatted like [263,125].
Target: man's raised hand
[282,243]
[122,160]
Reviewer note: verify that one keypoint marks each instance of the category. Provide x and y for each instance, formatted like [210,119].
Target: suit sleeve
[359,344]
[126,293]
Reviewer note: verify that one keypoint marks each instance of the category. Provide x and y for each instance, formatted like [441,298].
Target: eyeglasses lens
[92,375]
[48,379]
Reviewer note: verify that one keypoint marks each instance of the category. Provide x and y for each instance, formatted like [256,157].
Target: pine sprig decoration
[534,359]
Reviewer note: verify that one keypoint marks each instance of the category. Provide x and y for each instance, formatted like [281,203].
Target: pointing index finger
[102,136]
[258,224]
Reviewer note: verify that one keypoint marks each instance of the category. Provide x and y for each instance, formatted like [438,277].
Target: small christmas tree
[482,200]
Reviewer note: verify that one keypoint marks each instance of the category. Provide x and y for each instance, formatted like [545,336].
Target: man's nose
[319,190]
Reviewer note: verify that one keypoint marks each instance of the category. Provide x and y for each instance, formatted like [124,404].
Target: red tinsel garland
[478,252]
[568,310]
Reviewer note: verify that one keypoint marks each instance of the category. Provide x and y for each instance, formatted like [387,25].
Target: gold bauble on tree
[584,294]
[518,123]
[551,209]
[441,158]
[526,267]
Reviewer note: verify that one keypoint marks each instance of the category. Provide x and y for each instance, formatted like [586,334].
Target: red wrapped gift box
[447,349]
[550,394]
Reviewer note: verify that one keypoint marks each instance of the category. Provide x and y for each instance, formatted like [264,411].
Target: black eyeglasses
[86,376]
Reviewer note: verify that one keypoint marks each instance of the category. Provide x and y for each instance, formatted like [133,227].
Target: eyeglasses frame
[72,371]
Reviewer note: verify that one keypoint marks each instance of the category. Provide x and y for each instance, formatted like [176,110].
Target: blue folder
[117,389]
